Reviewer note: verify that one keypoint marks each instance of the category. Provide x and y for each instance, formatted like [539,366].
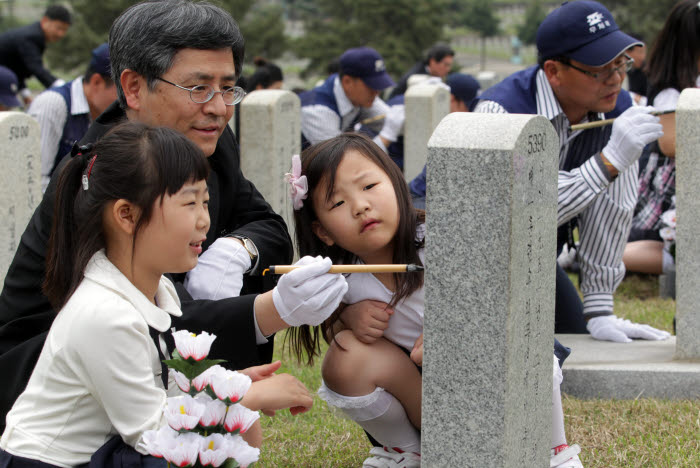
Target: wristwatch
[250,247]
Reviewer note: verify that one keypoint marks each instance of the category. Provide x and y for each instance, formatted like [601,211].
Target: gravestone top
[426,105]
[490,255]
[20,180]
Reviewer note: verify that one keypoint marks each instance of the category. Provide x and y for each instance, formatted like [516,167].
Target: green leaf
[231,463]
[188,369]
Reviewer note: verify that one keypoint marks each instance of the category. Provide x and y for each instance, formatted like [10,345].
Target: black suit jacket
[235,206]
[21,50]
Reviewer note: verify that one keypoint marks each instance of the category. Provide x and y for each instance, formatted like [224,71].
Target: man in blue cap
[21,48]
[65,112]
[349,97]
[581,66]
[8,89]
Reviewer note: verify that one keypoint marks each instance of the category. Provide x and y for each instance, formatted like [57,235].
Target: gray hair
[146,37]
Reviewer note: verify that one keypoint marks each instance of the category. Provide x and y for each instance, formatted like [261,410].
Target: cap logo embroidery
[13,88]
[596,22]
[379,65]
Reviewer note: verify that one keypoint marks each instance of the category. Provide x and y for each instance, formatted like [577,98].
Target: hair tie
[79,150]
[86,177]
[298,186]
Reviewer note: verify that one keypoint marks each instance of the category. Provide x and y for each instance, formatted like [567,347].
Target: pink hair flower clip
[298,186]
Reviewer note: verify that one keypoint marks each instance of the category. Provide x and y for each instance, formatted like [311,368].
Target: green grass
[612,434]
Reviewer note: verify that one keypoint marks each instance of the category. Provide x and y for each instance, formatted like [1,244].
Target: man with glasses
[175,64]
[581,66]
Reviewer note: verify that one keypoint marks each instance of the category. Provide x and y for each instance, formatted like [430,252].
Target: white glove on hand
[309,295]
[393,122]
[219,271]
[612,328]
[631,132]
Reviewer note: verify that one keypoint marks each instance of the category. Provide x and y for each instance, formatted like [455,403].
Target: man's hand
[612,328]
[632,131]
[417,352]
[367,319]
[308,295]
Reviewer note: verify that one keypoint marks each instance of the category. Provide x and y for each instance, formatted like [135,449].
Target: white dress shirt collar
[78,101]
[100,270]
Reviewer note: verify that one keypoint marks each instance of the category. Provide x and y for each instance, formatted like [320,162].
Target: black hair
[146,37]
[672,61]
[58,13]
[265,74]
[438,52]
[319,163]
[132,161]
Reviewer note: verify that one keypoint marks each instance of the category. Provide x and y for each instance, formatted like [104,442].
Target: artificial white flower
[183,412]
[669,218]
[229,386]
[160,441]
[243,453]
[668,234]
[202,380]
[181,380]
[185,450]
[214,412]
[214,450]
[239,418]
[193,346]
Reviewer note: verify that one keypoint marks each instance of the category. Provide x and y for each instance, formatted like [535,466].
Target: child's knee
[345,360]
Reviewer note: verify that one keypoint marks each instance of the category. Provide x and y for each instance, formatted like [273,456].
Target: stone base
[646,369]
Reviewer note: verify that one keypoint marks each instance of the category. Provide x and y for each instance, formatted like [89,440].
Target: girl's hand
[417,352]
[262,372]
[367,319]
[278,391]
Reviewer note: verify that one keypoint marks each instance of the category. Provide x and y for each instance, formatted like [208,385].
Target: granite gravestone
[20,180]
[270,134]
[688,225]
[426,105]
[489,318]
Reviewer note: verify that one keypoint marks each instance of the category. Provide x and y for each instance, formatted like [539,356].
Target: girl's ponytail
[62,263]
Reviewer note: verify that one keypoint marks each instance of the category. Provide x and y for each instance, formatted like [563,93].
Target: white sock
[380,414]
[558,435]
[667,262]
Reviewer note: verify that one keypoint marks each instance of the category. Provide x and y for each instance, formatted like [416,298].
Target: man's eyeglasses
[602,76]
[204,93]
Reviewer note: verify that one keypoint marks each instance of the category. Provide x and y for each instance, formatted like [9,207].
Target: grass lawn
[642,433]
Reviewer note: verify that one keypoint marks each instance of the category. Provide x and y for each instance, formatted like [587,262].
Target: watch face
[250,247]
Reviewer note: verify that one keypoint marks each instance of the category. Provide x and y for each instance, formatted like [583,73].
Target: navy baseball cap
[463,86]
[8,87]
[584,31]
[366,63]
[99,63]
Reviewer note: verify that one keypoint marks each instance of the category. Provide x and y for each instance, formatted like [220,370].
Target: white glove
[393,122]
[612,328]
[631,132]
[309,295]
[219,271]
